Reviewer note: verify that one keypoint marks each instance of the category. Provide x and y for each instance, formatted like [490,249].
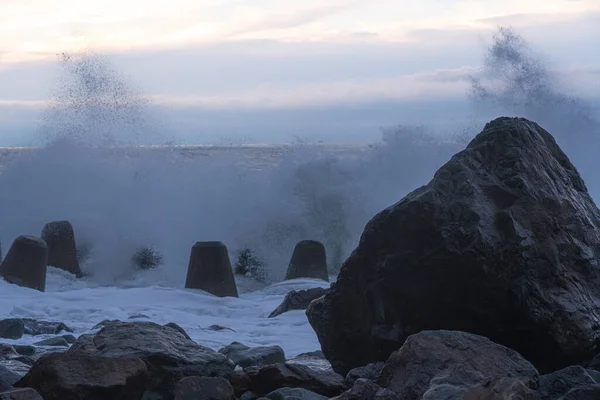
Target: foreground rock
[294,394]
[298,300]
[503,242]
[25,263]
[364,389]
[501,389]
[62,250]
[262,381]
[245,356]
[7,378]
[210,270]
[203,388]
[445,364]
[21,394]
[59,376]
[308,261]
[168,353]
[15,328]
[557,384]
[370,372]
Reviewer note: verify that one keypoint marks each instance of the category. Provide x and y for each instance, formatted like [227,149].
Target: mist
[120,197]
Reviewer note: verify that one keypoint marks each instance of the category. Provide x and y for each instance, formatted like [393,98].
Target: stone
[203,388]
[309,260]
[21,394]
[451,362]
[369,371]
[179,329]
[25,263]
[210,270]
[585,393]
[298,300]
[245,356]
[24,350]
[62,250]
[294,394]
[264,380]
[34,327]
[559,383]
[54,342]
[500,389]
[11,328]
[503,242]
[171,355]
[69,338]
[365,389]
[76,376]
[7,378]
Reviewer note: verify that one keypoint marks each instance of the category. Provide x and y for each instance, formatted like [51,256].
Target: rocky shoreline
[482,284]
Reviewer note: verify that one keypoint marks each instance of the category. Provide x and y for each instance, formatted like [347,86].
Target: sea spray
[120,198]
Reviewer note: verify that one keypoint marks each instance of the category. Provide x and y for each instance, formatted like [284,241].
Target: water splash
[120,199]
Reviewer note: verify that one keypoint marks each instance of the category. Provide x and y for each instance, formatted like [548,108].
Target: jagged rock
[245,356]
[54,342]
[559,383]
[34,327]
[585,393]
[147,258]
[77,376]
[170,355]
[298,300]
[275,376]
[203,388]
[11,328]
[294,394]
[7,378]
[308,261]
[210,270]
[503,242]
[62,250]
[369,371]
[178,328]
[450,362]
[25,263]
[501,389]
[21,394]
[364,389]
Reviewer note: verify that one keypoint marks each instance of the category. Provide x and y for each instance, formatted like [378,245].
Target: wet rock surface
[503,242]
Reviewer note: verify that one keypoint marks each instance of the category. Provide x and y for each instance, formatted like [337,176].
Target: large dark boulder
[504,242]
[445,364]
[61,376]
[25,263]
[168,353]
[62,250]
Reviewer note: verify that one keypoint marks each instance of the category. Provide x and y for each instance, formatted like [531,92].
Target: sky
[265,70]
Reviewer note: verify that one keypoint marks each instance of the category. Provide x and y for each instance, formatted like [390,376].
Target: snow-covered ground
[81,304]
